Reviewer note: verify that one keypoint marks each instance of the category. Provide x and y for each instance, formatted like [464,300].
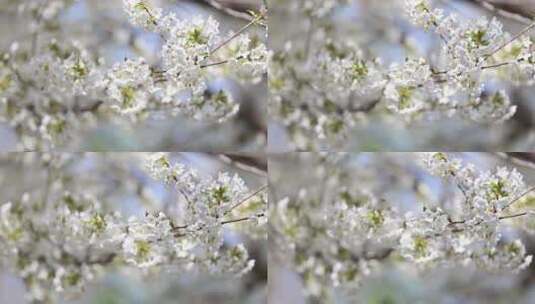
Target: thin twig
[497,65]
[451,222]
[485,67]
[519,197]
[245,199]
[207,65]
[242,219]
[503,217]
[229,39]
[227,11]
[501,12]
[183,193]
[512,39]
[228,160]
[515,161]
[513,215]
[224,222]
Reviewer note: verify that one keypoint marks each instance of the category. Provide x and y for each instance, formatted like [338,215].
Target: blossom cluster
[55,84]
[325,84]
[62,242]
[338,235]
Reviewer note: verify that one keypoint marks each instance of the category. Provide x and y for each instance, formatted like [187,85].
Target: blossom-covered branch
[336,237]
[324,85]
[45,84]
[60,242]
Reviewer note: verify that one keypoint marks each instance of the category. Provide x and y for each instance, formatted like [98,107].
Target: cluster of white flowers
[64,242]
[191,46]
[422,14]
[337,239]
[469,48]
[60,246]
[487,193]
[324,84]
[342,69]
[130,85]
[143,13]
[471,234]
[208,202]
[338,242]
[402,93]
[51,83]
[207,206]
[247,58]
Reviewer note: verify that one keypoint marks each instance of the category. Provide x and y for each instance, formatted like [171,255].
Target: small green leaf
[128,94]
[142,249]
[376,217]
[196,37]
[359,69]
[497,189]
[478,37]
[420,246]
[405,96]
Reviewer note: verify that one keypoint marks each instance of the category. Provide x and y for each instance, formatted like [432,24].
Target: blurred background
[104,26]
[380,28]
[400,179]
[120,182]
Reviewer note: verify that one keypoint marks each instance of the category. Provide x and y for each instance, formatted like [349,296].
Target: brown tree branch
[234,9]
[506,10]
